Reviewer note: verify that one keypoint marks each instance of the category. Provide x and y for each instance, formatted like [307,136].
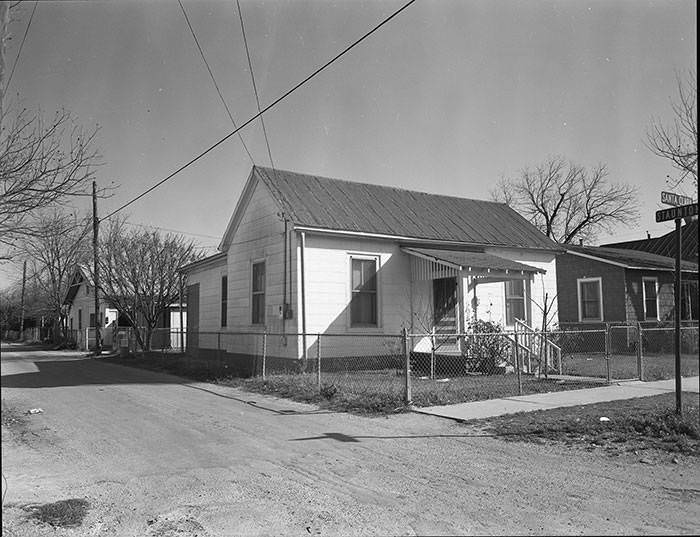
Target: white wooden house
[307,254]
[79,305]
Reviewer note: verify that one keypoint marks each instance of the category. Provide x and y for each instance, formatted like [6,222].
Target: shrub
[487,350]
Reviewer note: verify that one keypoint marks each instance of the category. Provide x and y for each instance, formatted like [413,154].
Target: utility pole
[677,315]
[21,307]
[96,282]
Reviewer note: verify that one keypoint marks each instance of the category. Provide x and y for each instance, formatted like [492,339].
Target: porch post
[460,309]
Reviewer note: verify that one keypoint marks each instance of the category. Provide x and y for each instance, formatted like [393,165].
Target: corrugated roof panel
[361,207]
[633,258]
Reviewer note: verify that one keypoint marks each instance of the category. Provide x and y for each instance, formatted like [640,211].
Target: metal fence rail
[434,368]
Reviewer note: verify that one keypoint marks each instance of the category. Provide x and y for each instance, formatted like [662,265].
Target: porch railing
[538,348]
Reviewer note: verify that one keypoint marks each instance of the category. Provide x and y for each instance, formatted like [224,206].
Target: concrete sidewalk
[543,401]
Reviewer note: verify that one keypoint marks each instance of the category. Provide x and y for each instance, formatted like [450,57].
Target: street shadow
[82,372]
[341,437]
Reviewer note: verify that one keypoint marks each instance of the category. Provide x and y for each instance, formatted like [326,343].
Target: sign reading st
[674,213]
[671,198]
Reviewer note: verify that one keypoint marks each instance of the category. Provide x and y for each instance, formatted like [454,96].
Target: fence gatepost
[264,354]
[407,366]
[607,352]
[640,352]
[318,362]
[517,364]
[432,354]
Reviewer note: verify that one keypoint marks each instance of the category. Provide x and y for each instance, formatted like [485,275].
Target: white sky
[447,98]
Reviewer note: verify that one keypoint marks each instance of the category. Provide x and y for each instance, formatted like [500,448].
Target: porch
[446,301]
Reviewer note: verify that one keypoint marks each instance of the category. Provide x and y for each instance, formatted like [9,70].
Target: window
[689,300]
[363,303]
[590,299]
[92,320]
[224,300]
[515,301]
[650,293]
[258,298]
[80,319]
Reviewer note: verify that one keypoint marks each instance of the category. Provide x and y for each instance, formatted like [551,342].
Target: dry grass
[63,514]
[641,424]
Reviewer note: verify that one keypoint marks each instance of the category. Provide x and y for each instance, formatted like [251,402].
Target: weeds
[647,423]
[64,513]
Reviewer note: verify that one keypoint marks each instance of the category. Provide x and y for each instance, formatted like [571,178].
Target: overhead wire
[21,45]
[213,79]
[268,107]
[255,87]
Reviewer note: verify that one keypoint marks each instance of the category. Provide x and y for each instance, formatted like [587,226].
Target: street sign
[674,213]
[671,198]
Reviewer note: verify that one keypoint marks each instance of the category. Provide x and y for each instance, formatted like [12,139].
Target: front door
[445,304]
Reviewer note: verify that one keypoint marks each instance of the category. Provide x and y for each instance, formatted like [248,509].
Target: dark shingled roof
[666,244]
[633,259]
[333,204]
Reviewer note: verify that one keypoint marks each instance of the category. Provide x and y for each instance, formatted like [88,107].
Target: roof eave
[423,240]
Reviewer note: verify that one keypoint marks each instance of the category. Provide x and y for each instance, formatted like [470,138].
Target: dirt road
[156,456]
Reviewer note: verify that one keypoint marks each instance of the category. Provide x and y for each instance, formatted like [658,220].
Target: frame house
[79,305]
[600,285]
[304,256]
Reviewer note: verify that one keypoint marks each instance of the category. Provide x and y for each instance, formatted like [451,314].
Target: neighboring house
[80,313]
[601,285]
[666,244]
[315,255]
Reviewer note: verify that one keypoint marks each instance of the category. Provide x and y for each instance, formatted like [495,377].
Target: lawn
[624,366]
[645,426]
[383,391]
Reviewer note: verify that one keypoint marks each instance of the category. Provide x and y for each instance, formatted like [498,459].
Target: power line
[213,79]
[173,230]
[255,88]
[268,107]
[19,51]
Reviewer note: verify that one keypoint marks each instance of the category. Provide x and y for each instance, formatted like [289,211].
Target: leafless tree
[568,202]
[41,164]
[58,245]
[678,141]
[139,273]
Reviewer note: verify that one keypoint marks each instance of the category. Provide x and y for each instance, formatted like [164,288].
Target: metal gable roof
[333,204]
[666,244]
[632,259]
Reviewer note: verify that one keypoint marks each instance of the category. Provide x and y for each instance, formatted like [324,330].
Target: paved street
[154,454]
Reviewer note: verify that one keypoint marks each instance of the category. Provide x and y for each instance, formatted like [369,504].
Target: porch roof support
[433,264]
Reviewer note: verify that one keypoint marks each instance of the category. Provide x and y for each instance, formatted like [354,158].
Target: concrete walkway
[543,401]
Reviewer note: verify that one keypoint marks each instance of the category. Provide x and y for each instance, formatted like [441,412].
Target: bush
[488,350]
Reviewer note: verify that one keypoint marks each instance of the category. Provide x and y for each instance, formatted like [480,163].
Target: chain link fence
[429,368]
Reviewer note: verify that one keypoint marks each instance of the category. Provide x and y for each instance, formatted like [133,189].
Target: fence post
[318,362]
[607,352]
[264,354]
[517,365]
[640,352]
[407,366]
[218,352]
[432,354]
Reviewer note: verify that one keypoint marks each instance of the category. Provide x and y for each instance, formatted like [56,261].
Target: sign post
[677,213]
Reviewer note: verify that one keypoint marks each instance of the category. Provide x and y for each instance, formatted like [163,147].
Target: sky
[448,97]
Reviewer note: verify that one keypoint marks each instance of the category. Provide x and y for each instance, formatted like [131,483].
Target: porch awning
[471,262]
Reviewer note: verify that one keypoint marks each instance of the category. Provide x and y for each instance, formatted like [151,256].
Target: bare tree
[58,245]
[41,164]
[568,202]
[678,141]
[139,273]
